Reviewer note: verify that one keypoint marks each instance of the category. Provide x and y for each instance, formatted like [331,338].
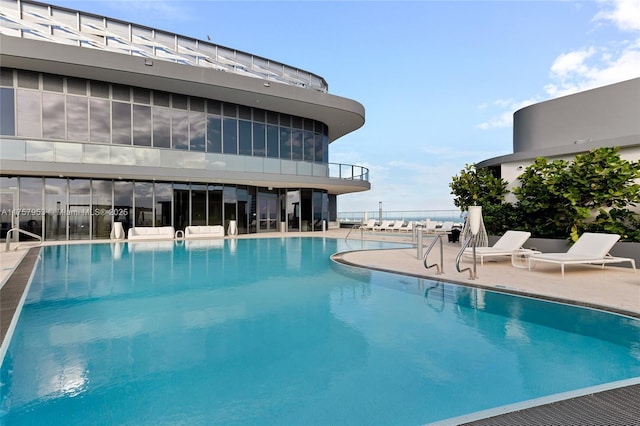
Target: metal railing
[20,231]
[348,171]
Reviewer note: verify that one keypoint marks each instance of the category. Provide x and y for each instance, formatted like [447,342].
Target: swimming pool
[270,331]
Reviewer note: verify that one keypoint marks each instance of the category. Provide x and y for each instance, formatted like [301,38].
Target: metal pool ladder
[20,231]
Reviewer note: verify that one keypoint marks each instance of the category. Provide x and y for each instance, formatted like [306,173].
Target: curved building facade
[105,121]
[560,128]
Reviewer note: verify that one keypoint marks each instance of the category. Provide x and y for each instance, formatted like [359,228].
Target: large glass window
[161,127]
[198,205]
[230,136]
[141,125]
[100,122]
[173,121]
[285,143]
[215,204]
[7,112]
[309,146]
[296,144]
[293,210]
[31,205]
[53,115]
[77,118]
[272,141]
[259,140]
[179,129]
[143,193]
[123,204]
[214,134]
[79,211]
[163,192]
[319,148]
[244,137]
[29,108]
[121,123]
[102,203]
[55,204]
[229,198]
[197,129]
[181,206]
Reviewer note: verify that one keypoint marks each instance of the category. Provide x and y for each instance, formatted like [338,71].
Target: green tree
[477,187]
[593,192]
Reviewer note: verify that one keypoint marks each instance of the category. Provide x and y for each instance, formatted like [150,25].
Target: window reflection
[179,129]
[55,204]
[163,193]
[123,203]
[171,121]
[197,130]
[121,114]
[141,125]
[77,118]
[161,127]
[100,128]
[144,203]
[102,207]
[31,205]
[79,210]
[53,115]
[28,108]
[230,135]
[214,134]
[7,112]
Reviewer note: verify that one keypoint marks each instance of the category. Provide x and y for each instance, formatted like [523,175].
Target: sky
[439,80]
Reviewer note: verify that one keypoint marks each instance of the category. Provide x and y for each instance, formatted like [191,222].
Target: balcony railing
[348,171]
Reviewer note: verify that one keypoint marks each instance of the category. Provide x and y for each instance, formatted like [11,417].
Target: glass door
[267,207]
[8,217]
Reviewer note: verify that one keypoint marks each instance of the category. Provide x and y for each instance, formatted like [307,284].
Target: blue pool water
[270,331]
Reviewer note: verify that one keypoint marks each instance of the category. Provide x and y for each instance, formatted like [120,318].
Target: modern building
[560,128]
[107,121]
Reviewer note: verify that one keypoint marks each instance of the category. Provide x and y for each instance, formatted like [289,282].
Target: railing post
[419,241]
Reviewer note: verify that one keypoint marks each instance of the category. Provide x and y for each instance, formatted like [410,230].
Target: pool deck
[611,288]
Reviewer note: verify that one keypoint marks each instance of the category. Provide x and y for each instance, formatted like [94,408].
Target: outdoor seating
[505,246]
[591,248]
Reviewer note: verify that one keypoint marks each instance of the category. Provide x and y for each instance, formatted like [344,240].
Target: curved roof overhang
[341,115]
[561,151]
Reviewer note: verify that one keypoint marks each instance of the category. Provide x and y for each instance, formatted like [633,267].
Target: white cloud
[571,63]
[587,67]
[625,14]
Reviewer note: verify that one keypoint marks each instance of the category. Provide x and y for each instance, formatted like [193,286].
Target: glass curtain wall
[180,206]
[293,210]
[79,209]
[163,198]
[198,205]
[8,204]
[143,201]
[214,196]
[102,208]
[55,205]
[123,204]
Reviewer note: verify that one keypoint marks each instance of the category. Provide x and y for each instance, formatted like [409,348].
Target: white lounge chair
[591,248]
[505,246]
[397,225]
[409,227]
[445,228]
[430,226]
[371,223]
[384,226]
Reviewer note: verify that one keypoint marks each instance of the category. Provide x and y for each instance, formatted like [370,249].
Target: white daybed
[210,231]
[151,233]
